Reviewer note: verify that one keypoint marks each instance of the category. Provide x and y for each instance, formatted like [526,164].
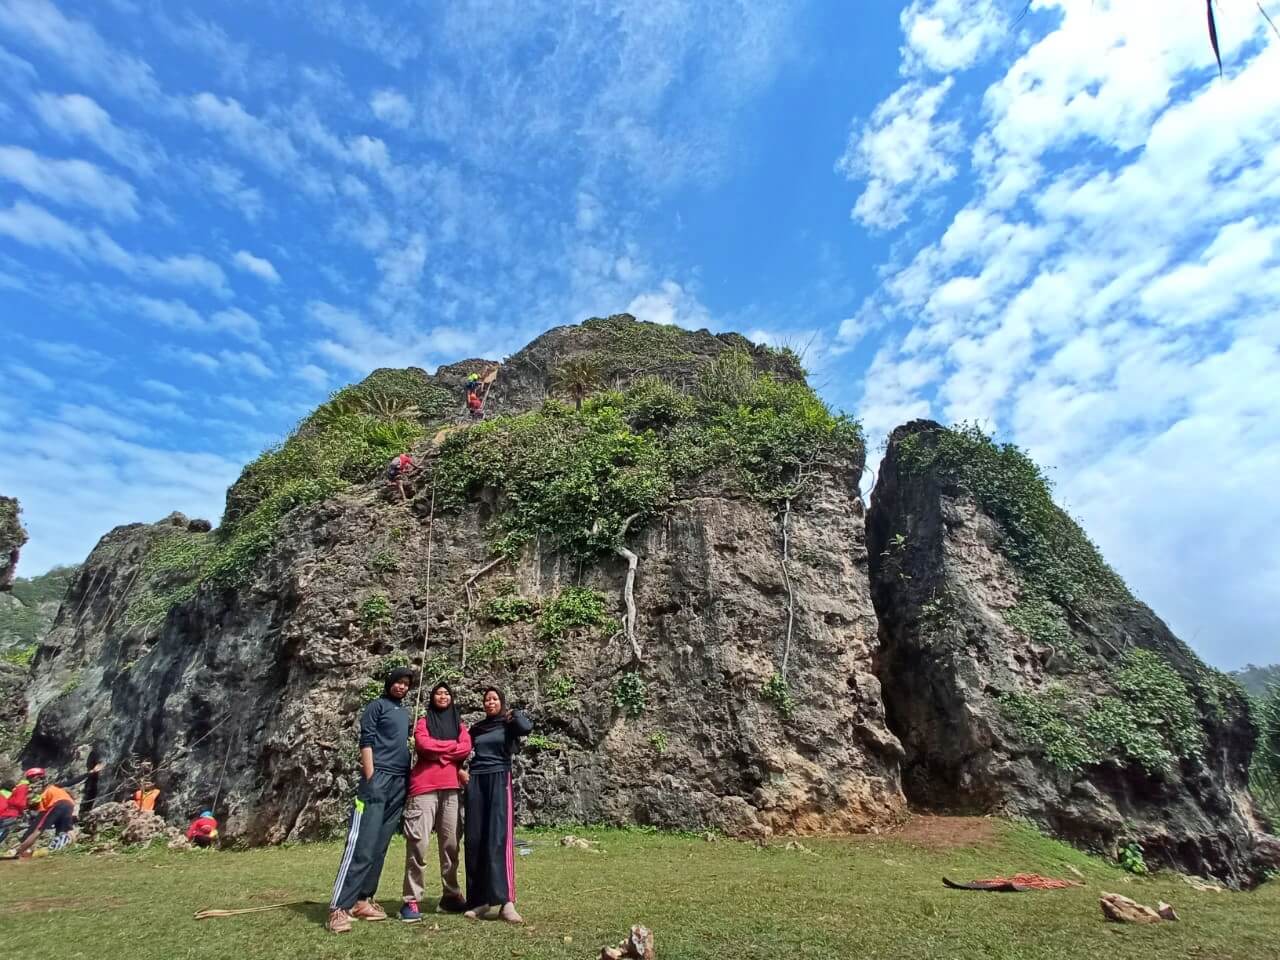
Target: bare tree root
[786,578]
[628,589]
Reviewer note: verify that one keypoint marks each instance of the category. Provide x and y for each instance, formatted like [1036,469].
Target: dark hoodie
[384,726]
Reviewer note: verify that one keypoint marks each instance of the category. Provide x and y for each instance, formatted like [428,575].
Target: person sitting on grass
[379,803]
[203,830]
[56,810]
[442,743]
[490,819]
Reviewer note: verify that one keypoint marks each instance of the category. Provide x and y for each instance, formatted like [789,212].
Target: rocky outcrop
[250,693]
[1023,678]
[12,537]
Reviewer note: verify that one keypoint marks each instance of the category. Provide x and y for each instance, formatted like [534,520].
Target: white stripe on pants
[348,852]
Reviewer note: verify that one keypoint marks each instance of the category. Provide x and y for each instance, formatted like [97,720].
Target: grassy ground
[875,897]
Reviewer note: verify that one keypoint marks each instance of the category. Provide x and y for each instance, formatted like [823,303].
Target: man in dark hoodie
[379,804]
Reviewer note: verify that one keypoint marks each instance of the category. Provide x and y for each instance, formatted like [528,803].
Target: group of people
[455,775]
[47,806]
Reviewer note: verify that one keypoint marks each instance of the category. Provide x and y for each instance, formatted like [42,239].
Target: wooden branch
[786,577]
[471,601]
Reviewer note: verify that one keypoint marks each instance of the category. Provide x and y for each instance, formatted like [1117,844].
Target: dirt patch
[945,833]
[45,904]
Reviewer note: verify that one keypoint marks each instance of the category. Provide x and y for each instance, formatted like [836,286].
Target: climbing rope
[426,629]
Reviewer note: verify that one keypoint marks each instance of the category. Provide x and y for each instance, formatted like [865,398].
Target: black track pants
[490,851]
[375,819]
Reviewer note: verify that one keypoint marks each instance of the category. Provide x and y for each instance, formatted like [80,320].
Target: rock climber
[475,395]
[399,468]
[203,830]
[55,809]
[435,783]
[379,803]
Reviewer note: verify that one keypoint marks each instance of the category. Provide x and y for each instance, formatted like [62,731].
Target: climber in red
[399,468]
[476,389]
[203,830]
[13,806]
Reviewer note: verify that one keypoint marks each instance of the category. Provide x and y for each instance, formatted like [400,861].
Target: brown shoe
[368,910]
[508,913]
[339,921]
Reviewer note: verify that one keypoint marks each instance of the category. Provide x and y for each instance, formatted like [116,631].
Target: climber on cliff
[203,830]
[476,390]
[55,809]
[399,468]
[379,804]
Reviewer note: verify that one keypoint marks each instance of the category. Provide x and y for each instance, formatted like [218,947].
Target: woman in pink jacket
[442,744]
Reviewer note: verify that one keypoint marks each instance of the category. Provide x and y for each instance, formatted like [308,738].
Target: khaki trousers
[427,812]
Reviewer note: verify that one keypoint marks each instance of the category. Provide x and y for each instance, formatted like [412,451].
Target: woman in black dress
[490,824]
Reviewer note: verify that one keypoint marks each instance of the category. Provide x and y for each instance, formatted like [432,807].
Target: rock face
[251,693]
[12,537]
[1021,676]
[676,578]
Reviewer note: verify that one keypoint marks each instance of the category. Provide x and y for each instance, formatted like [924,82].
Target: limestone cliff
[237,660]
[653,540]
[1024,678]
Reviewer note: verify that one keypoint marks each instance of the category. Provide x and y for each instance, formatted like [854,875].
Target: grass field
[869,897]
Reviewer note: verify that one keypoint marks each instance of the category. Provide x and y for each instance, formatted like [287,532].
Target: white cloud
[239,324]
[902,153]
[77,47]
[30,376]
[227,184]
[671,304]
[312,374]
[392,107]
[75,116]
[36,227]
[1121,323]
[162,388]
[238,403]
[948,35]
[258,266]
[254,138]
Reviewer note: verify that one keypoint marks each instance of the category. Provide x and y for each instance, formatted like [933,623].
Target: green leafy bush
[490,649]
[1264,773]
[654,404]
[778,692]
[560,693]
[509,608]
[385,561]
[630,694]
[375,611]
[658,741]
[1042,720]
[1132,860]
[536,741]
[573,608]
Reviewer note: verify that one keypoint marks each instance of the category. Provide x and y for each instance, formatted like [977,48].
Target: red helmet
[35,773]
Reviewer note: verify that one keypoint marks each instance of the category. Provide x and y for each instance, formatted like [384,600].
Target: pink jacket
[438,760]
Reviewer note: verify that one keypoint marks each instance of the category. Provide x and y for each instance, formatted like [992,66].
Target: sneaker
[452,904]
[368,910]
[60,841]
[508,913]
[339,921]
[409,912]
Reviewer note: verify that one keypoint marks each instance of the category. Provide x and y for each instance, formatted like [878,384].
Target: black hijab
[486,722]
[442,724]
[399,673]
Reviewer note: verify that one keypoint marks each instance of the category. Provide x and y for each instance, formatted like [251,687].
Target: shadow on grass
[312,910]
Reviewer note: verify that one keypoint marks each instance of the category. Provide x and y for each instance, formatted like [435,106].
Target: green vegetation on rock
[28,612]
[1060,567]
[630,694]
[1151,719]
[1264,777]
[571,478]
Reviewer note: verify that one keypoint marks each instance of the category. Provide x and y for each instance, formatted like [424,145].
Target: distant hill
[1256,679]
[27,612]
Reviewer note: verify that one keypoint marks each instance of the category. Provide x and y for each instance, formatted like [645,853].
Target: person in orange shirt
[145,798]
[55,807]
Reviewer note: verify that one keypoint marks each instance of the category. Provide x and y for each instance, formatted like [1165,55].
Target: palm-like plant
[388,406]
[577,376]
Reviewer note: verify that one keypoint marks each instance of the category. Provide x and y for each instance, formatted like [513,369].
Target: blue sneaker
[409,912]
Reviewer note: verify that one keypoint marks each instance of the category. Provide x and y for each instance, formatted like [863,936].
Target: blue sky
[1064,226]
